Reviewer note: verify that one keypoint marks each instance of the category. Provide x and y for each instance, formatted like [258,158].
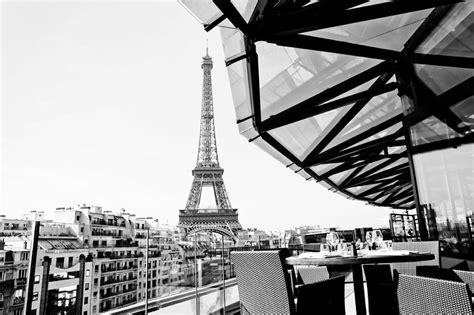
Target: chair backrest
[311,274]
[263,281]
[420,295]
[425,247]
[466,277]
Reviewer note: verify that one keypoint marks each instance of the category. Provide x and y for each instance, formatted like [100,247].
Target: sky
[100,105]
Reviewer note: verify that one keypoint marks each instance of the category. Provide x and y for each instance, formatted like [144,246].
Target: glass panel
[262,144]
[205,11]
[389,32]
[245,7]
[238,77]
[232,41]
[289,76]
[322,168]
[303,136]
[378,110]
[370,166]
[360,189]
[392,165]
[431,130]
[441,79]
[465,111]
[453,36]
[336,178]
[445,181]
[299,136]
[247,129]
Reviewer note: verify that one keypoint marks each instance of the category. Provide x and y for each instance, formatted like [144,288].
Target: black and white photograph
[236,157]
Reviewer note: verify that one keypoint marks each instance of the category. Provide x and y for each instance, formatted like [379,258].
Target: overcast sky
[101,105]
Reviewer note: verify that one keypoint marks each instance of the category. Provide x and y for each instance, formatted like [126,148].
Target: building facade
[90,261]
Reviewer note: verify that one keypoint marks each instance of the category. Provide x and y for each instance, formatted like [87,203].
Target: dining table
[356,262]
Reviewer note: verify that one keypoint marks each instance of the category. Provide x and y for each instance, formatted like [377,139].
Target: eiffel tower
[223,218]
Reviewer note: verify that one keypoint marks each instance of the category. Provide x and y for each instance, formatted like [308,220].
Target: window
[86,300]
[85,312]
[37,279]
[88,273]
[35,296]
[95,294]
[18,312]
[94,308]
[78,218]
[70,261]
[22,273]
[87,286]
[60,262]
[24,255]
[104,243]
[96,268]
[82,229]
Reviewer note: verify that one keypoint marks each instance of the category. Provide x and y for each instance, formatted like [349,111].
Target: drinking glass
[369,237]
[332,238]
[324,249]
[378,238]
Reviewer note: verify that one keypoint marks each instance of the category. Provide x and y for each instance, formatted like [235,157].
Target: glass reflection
[445,181]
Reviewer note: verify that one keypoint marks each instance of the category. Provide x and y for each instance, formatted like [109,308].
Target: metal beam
[316,158]
[320,20]
[217,21]
[232,14]
[281,119]
[334,46]
[368,172]
[289,115]
[443,60]
[351,113]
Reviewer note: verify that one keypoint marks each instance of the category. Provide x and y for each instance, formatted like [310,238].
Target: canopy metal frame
[392,184]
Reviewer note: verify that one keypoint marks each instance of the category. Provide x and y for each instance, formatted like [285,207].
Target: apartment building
[116,242]
[89,261]
[12,227]
[13,277]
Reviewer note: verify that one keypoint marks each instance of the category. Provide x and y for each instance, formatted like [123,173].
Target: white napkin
[391,252]
[311,255]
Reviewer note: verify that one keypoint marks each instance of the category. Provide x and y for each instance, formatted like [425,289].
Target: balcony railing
[18,300]
[105,233]
[127,302]
[112,281]
[118,268]
[103,222]
[15,228]
[20,281]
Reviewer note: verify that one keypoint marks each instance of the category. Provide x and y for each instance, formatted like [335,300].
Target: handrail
[162,302]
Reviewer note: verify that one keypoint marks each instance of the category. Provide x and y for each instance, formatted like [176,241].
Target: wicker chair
[381,291]
[420,295]
[466,277]
[426,247]
[311,274]
[265,287]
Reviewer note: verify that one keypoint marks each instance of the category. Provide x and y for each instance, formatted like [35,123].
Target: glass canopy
[345,92]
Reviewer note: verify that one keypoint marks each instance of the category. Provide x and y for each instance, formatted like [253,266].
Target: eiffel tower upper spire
[207,152]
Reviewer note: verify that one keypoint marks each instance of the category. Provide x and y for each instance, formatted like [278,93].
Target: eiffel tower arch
[222,218]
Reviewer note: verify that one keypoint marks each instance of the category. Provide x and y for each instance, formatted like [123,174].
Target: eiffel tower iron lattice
[223,219]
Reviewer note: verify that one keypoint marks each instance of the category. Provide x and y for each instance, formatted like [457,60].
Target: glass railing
[190,276]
